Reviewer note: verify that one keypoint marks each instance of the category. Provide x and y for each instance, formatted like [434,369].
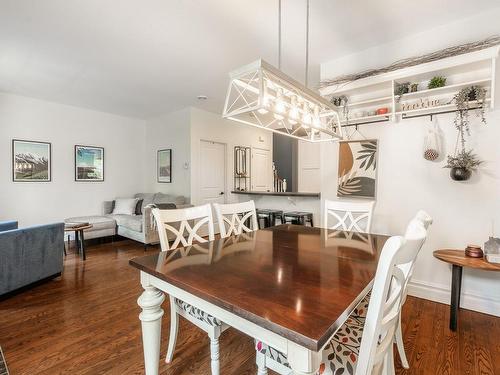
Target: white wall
[463,211]
[169,131]
[210,126]
[65,126]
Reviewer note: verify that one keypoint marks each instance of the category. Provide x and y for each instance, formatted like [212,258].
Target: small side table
[79,237]
[458,260]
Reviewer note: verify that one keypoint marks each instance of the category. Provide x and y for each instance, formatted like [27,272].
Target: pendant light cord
[307,45]
[279,34]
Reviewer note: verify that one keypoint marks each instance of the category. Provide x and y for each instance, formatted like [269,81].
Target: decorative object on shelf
[420,104]
[262,96]
[242,157]
[492,250]
[401,88]
[413,61]
[474,251]
[462,165]
[164,165]
[89,163]
[357,168]
[342,101]
[462,100]
[31,161]
[414,87]
[279,184]
[432,142]
[382,111]
[436,82]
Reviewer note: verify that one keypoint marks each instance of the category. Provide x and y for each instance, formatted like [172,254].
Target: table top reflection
[299,282]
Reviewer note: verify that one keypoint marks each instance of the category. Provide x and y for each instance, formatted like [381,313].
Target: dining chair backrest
[424,219]
[190,220]
[233,218]
[382,317]
[348,215]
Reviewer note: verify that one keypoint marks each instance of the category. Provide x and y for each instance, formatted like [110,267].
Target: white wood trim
[442,294]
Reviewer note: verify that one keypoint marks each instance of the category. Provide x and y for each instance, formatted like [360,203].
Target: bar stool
[269,216]
[300,218]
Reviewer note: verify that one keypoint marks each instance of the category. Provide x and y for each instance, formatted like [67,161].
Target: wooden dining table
[290,286]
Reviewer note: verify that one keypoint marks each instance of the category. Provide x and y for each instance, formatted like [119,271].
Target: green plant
[464,159]
[462,100]
[437,81]
[342,101]
[401,88]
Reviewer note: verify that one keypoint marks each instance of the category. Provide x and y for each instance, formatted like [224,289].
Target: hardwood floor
[87,323]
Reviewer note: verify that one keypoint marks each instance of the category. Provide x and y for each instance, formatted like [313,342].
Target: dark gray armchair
[29,255]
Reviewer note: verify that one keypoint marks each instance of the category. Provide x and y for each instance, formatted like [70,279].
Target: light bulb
[265,101]
[316,119]
[279,105]
[293,114]
[306,117]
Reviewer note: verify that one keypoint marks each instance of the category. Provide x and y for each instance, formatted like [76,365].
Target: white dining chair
[348,215]
[421,218]
[233,218]
[189,222]
[375,319]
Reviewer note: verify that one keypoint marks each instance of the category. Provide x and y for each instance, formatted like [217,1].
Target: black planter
[460,174]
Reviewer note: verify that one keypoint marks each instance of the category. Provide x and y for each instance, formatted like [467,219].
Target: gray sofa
[140,227]
[29,255]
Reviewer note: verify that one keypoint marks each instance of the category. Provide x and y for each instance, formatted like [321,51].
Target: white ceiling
[143,58]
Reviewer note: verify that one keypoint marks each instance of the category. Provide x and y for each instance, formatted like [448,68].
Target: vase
[460,174]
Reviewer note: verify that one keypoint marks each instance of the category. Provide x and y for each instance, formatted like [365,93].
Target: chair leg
[401,346]
[261,363]
[214,354]
[174,328]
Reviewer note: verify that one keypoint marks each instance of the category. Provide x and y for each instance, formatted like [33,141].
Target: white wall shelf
[369,94]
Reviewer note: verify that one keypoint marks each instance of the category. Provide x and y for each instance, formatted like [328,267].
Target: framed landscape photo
[89,163]
[31,161]
[164,165]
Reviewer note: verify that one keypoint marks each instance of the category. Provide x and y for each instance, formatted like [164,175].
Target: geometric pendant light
[263,96]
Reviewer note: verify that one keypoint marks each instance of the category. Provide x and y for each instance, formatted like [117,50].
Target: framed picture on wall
[89,163]
[357,172]
[31,161]
[164,165]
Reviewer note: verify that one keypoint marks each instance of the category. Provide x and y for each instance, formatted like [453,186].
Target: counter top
[279,194]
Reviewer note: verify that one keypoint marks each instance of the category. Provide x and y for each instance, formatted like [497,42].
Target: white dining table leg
[303,361]
[150,301]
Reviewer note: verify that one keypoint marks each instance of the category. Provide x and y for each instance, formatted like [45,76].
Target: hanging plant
[464,162]
[463,100]
[462,165]
[342,101]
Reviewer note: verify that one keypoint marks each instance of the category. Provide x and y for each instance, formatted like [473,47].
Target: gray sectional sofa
[29,255]
[140,227]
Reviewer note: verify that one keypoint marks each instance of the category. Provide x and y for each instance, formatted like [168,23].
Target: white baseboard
[441,294]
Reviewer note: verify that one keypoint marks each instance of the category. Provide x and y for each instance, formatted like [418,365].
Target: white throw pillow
[125,206]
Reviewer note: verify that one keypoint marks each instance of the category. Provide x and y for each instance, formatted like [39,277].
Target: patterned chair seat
[341,353]
[197,313]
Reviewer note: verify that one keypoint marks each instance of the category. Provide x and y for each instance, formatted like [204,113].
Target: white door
[212,172]
[309,160]
[262,170]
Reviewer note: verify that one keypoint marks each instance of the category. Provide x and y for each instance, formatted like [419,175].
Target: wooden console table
[458,260]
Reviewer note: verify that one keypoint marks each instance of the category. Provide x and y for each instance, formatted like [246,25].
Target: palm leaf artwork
[368,155]
[349,184]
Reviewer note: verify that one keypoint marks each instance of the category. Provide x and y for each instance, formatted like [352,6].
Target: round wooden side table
[79,237]
[458,260]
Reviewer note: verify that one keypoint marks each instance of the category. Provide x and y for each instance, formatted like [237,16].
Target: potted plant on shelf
[463,99]
[401,88]
[462,164]
[342,101]
[436,82]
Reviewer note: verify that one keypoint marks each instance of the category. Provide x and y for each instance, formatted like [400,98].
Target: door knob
[221,193]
